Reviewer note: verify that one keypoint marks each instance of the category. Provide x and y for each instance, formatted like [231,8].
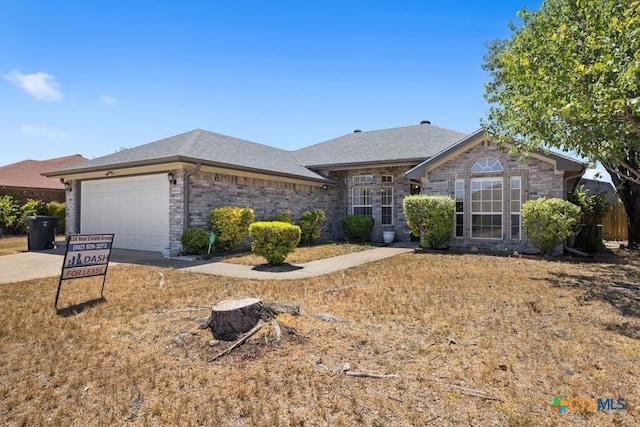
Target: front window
[459,218]
[486,208]
[387,200]
[362,195]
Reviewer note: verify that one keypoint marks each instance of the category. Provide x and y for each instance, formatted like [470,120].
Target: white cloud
[107,100]
[42,132]
[41,86]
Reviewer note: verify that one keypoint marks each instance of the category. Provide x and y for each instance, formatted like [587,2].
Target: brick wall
[266,197]
[41,194]
[401,188]
[538,179]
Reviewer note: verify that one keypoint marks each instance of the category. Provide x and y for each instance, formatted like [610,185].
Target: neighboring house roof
[28,173]
[562,163]
[594,187]
[206,147]
[410,144]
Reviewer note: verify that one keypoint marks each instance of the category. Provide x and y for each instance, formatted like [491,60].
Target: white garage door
[134,209]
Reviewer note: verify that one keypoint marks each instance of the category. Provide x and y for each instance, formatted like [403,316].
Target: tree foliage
[569,78]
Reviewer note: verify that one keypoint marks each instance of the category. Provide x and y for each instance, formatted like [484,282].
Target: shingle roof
[208,148]
[396,145]
[28,173]
[594,186]
[561,162]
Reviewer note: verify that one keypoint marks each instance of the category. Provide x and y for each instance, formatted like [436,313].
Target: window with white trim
[362,179]
[487,165]
[486,208]
[515,188]
[362,195]
[459,212]
[387,200]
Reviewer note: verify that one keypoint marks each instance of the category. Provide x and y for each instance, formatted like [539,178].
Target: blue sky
[93,77]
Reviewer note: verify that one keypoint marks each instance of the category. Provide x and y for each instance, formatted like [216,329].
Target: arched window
[486,200]
[487,165]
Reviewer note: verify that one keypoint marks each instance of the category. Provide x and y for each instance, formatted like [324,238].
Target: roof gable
[560,162]
[28,173]
[207,148]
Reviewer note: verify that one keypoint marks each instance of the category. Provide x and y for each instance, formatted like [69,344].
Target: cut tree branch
[241,341]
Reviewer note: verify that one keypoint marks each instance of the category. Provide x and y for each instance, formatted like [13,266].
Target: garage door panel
[134,209]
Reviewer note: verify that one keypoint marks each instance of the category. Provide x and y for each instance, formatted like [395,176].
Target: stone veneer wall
[266,197]
[538,179]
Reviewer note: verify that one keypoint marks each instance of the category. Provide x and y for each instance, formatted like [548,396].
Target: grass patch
[12,244]
[475,340]
[16,244]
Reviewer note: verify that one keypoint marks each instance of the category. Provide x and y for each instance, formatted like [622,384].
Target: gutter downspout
[187,187]
[578,175]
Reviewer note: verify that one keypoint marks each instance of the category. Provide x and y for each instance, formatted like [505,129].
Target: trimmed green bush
[547,221]
[230,225]
[57,210]
[357,227]
[284,216]
[195,241]
[310,224]
[430,217]
[274,240]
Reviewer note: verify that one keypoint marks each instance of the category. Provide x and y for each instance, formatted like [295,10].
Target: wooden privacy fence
[614,225]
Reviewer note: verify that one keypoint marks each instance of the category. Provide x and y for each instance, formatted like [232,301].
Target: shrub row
[546,221]
[13,212]
[272,239]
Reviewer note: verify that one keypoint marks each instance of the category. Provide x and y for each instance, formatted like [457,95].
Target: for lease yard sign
[86,255]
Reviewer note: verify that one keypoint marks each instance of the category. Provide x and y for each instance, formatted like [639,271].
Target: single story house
[148,195]
[25,180]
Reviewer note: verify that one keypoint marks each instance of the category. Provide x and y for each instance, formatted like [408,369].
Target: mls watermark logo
[586,404]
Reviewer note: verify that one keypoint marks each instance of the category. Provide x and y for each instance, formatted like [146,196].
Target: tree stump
[231,318]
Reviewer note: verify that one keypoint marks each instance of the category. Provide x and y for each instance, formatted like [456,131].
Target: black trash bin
[41,232]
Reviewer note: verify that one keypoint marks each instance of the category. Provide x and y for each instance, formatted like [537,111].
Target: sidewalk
[299,271]
[41,264]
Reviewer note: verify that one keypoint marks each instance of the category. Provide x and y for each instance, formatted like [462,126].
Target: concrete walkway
[41,264]
[299,271]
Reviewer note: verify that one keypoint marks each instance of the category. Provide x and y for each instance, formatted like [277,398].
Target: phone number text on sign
[85,251]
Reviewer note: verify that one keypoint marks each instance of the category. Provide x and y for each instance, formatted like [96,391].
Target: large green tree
[569,78]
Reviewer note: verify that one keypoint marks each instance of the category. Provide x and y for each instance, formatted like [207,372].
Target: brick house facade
[366,173]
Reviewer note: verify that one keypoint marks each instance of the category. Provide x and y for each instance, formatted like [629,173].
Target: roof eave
[182,159]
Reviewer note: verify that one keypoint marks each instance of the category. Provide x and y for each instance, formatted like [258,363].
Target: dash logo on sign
[76,259]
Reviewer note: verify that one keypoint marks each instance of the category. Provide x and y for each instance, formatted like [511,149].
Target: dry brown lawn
[474,339]
[16,244]
[301,255]
[12,244]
